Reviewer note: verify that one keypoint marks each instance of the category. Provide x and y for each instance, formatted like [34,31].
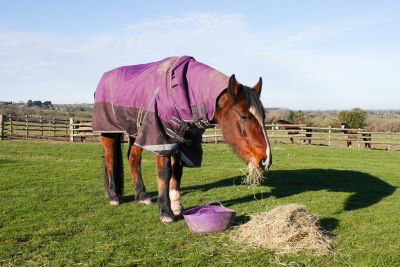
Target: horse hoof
[166,219]
[146,201]
[177,209]
[114,203]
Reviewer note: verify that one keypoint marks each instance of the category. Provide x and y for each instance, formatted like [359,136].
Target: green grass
[53,210]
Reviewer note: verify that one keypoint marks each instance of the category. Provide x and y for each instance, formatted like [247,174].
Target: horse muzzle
[265,163]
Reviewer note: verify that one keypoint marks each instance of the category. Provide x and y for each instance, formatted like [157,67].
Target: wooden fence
[38,127]
[70,129]
[329,136]
[338,137]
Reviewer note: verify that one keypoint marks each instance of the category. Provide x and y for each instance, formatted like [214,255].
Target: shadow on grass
[131,198]
[242,219]
[329,224]
[366,189]
[3,161]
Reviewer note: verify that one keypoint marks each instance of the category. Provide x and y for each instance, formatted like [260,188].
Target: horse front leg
[175,186]
[164,173]
[113,168]
[135,160]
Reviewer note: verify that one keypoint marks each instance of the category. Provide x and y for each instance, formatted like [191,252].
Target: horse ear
[258,86]
[234,86]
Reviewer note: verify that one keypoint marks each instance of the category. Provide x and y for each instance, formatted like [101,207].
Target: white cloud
[67,68]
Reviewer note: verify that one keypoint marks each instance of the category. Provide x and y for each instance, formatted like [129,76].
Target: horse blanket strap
[174,135]
[203,123]
[195,114]
[196,120]
[158,102]
[139,117]
[180,123]
[204,119]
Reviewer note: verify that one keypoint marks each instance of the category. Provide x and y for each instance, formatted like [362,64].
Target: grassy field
[53,210]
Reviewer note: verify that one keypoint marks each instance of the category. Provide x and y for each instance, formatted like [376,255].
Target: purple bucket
[209,219]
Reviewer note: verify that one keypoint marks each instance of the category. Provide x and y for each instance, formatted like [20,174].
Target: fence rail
[70,129]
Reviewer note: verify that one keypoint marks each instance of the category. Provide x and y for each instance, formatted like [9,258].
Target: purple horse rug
[159,103]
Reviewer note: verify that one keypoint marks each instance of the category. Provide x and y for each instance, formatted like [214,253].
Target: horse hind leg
[174,186]
[164,173]
[135,160]
[113,168]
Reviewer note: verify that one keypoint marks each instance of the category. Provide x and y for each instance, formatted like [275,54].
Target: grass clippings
[285,229]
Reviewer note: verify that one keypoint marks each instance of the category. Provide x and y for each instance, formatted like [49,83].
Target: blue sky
[310,54]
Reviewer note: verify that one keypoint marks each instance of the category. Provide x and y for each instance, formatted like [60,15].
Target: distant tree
[355,118]
[47,104]
[299,117]
[290,116]
[37,103]
[29,103]
[295,116]
[342,116]
[270,117]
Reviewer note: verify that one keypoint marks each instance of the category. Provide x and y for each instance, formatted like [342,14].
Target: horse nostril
[263,162]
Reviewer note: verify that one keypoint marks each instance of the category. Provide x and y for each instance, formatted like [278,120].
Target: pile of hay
[284,229]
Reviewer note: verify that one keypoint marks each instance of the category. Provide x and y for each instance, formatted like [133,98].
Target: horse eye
[245,117]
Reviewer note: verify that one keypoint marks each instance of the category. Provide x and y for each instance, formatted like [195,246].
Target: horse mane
[253,100]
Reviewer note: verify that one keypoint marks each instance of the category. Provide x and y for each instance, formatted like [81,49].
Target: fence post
[71,129]
[272,130]
[329,136]
[1,127]
[48,131]
[54,126]
[41,125]
[26,127]
[66,128]
[11,125]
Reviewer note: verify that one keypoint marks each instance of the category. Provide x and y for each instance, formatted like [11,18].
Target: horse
[286,125]
[165,106]
[83,128]
[366,137]
[352,135]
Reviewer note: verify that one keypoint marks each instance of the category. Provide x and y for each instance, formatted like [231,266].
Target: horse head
[344,125]
[240,114]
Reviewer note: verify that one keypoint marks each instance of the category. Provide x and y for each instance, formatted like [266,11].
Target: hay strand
[253,176]
[284,229]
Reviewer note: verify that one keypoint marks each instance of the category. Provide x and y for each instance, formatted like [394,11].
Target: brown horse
[238,112]
[293,129]
[352,135]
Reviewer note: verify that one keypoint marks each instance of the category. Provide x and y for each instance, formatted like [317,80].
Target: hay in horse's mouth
[253,176]
[285,229]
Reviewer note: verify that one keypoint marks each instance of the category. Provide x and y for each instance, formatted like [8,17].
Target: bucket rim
[222,209]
